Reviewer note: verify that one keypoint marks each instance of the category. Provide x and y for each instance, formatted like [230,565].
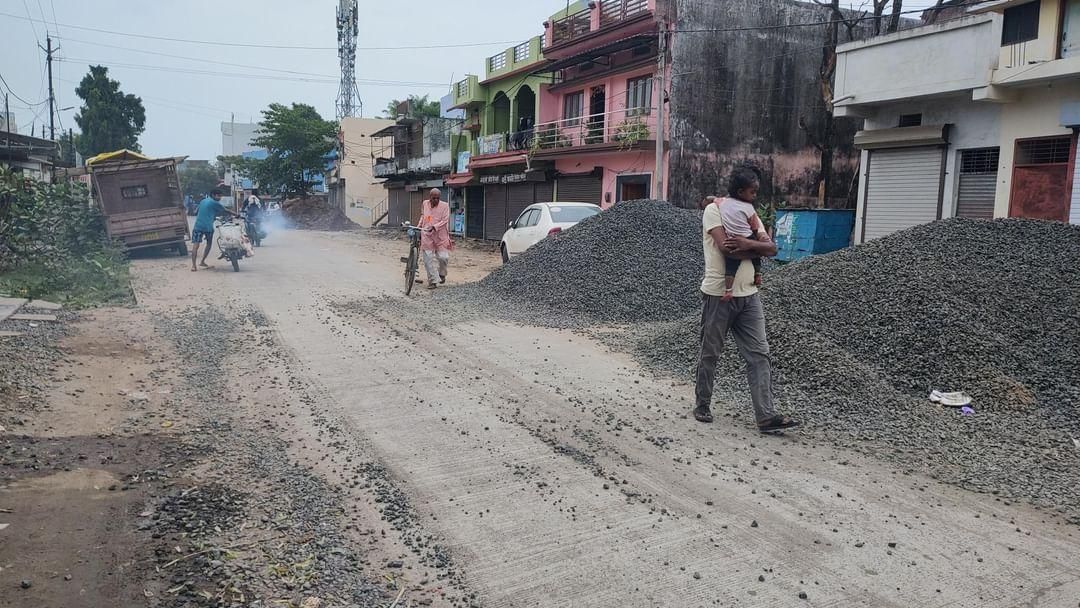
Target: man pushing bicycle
[435,238]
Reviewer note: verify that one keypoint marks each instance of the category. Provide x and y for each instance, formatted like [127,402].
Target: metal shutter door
[545,192]
[975,197]
[977,186]
[904,190]
[416,203]
[495,221]
[474,213]
[1074,209]
[580,189]
[518,197]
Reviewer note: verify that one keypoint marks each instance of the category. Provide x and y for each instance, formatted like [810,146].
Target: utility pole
[658,178]
[52,96]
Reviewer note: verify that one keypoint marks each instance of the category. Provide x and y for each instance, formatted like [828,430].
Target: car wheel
[505,255]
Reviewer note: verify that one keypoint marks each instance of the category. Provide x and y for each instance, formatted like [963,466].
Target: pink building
[598,118]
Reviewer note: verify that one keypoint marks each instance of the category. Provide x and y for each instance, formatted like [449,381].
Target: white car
[540,221]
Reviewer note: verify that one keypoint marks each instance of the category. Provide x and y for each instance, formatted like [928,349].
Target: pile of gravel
[639,260]
[315,213]
[861,336]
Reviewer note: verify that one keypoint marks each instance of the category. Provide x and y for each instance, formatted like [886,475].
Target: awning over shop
[902,137]
[117,155]
[460,179]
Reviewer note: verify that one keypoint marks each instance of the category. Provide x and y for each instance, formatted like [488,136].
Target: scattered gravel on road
[28,363]
[860,337]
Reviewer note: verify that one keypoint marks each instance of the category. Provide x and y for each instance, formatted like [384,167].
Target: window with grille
[638,96]
[134,192]
[463,88]
[1050,151]
[979,160]
[497,62]
[1021,23]
[572,107]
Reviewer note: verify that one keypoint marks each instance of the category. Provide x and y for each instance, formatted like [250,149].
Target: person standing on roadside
[209,209]
[742,314]
[435,238]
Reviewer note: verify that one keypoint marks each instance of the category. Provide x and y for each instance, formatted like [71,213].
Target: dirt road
[486,463]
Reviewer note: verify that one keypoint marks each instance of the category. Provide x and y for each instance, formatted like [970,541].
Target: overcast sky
[184,110]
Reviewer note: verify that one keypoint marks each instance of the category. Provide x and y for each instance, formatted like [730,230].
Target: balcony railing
[625,128]
[570,27]
[504,142]
[521,52]
[497,62]
[614,11]
[385,168]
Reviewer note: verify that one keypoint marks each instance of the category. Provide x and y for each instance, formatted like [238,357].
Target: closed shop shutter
[495,221]
[474,213]
[518,197]
[904,190]
[1074,210]
[398,207]
[978,183]
[580,189]
[545,192]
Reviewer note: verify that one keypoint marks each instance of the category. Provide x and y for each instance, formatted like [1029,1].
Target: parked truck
[141,200]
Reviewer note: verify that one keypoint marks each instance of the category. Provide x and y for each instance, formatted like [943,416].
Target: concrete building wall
[363,192]
[1043,48]
[939,59]
[751,96]
[236,137]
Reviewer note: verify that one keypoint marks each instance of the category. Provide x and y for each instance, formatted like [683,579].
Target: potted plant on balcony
[631,132]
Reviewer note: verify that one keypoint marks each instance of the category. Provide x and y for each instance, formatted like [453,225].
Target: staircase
[380,212]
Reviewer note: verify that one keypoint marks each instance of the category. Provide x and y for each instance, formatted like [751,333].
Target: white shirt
[713,283]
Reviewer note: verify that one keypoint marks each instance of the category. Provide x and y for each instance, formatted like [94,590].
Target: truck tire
[182,249]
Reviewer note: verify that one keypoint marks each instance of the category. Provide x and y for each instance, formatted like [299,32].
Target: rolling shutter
[580,189]
[903,190]
[474,213]
[978,183]
[495,221]
[518,197]
[1074,210]
[416,204]
[545,192]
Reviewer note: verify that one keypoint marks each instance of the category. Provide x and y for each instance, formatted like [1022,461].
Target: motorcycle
[253,226]
[232,241]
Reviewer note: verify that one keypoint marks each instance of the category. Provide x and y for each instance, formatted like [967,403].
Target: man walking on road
[743,315]
[209,209]
[435,238]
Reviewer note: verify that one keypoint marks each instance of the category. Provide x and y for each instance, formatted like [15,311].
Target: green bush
[53,245]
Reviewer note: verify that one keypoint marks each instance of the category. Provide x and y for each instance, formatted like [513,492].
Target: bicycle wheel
[410,270]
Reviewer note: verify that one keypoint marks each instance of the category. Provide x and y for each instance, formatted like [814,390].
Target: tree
[297,140]
[418,107]
[109,119]
[198,181]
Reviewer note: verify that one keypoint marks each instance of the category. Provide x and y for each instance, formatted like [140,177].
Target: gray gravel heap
[636,261]
[861,336]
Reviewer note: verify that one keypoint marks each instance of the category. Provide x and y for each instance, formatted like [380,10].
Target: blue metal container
[805,232]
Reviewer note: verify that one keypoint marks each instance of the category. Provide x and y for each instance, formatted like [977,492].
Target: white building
[973,117]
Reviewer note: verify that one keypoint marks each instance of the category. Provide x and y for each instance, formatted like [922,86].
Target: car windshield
[566,215]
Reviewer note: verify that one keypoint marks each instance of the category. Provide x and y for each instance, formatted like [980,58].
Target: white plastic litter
[958,399]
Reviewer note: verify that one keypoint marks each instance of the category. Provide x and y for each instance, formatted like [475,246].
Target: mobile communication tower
[348,100]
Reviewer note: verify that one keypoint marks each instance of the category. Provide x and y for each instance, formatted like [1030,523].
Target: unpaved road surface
[367,448]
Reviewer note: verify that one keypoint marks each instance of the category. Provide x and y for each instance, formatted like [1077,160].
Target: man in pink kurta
[435,238]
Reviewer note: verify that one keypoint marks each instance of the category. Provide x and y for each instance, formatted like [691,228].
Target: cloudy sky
[189,88]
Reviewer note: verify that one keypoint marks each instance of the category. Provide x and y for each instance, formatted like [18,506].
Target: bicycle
[412,262]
